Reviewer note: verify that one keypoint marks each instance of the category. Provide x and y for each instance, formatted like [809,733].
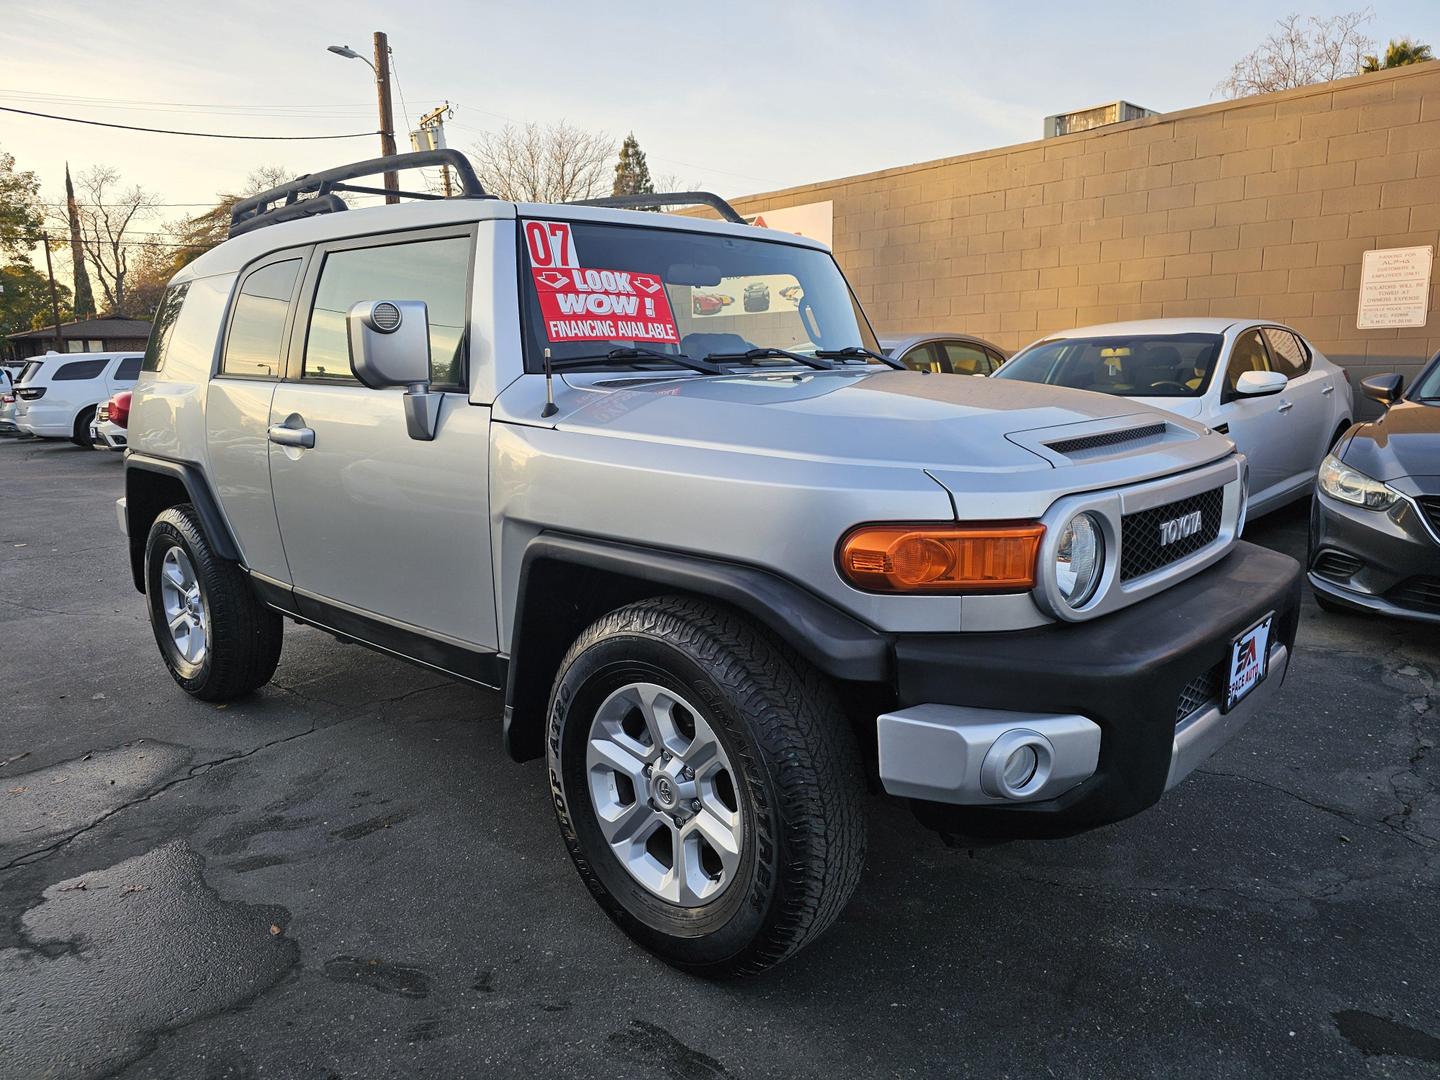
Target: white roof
[1154,326]
[233,254]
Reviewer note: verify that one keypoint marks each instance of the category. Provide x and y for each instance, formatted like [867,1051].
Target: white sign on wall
[1394,288]
[814,221]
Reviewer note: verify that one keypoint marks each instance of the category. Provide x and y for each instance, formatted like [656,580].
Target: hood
[1403,442]
[1188,407]
[903,418]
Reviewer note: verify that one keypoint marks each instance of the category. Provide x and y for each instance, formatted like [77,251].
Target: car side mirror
[1260,383]
[390,346]
[1383,388]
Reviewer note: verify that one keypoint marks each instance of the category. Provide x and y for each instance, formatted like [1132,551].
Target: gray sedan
[950,354]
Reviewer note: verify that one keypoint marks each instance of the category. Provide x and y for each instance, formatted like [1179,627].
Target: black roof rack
[257,211]
[667,198]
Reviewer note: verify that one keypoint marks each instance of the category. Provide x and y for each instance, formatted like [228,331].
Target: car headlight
[1340,481]
[1079,559]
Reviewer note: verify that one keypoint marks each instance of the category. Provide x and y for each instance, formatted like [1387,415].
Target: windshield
[590,288]
[1131,365]
[1427,387]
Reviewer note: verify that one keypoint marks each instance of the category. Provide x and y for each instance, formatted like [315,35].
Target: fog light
[1018,765]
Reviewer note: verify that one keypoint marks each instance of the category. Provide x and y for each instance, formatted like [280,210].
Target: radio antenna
[550,409]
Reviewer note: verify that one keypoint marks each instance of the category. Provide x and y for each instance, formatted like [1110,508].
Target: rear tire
[719,690]
[81,434]
[218,640]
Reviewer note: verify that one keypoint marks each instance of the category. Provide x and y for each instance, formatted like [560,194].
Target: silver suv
[727,568]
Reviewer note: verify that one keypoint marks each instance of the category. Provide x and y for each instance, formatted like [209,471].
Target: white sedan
[1261,383]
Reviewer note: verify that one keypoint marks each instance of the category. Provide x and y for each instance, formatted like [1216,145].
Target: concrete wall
[1253,208]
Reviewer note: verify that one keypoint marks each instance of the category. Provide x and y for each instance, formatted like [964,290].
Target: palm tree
[1398,54]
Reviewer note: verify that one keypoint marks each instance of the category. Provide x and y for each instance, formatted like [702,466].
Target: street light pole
[387,118]
[381,68]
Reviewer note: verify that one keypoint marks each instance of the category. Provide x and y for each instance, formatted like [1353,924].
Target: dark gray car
[1375,521]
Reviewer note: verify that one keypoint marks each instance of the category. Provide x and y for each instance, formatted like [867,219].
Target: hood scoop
[1086,446]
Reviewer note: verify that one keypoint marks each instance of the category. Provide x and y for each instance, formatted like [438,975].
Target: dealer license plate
[1249,661]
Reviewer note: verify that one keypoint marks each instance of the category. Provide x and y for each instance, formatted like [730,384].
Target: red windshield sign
[582,304]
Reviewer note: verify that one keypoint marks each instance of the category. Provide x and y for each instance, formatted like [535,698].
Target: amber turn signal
[942,558]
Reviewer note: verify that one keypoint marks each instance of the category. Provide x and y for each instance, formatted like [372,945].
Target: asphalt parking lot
[345,877]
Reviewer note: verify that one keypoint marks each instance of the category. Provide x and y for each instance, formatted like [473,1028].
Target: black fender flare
[837,643]
[199,495]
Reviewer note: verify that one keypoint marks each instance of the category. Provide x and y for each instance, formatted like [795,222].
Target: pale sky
[739,96]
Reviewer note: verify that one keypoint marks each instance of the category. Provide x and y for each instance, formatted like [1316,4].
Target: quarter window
[435,271]
[80,370]
[1248,355]
[1287,352]
[257,329]
[163,327]
[128,370]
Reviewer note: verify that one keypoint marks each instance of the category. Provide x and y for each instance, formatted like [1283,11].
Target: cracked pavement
[345,877]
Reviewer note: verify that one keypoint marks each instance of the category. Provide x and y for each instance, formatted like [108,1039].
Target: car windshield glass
[1427,387]
[1132,365]
[589,288]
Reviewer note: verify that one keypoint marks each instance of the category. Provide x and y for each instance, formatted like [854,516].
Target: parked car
[57,394]
[952,354]
[1281,401]
[1375,521]
[7,403]
[108,429]
[718,581]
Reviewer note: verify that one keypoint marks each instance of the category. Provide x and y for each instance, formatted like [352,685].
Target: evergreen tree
[632,174]
[84,298]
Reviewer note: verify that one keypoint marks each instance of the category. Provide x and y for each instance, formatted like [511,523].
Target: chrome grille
[1141,549]
[1430,506]
[1199,692]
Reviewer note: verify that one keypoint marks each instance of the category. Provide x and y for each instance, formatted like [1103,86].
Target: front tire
[217,639]
[707,785]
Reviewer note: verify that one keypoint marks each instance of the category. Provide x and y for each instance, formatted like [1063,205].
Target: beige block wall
[1259,208]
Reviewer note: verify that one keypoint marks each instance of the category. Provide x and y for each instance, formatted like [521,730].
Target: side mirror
[1383,388]
[390,346]
[1260,383]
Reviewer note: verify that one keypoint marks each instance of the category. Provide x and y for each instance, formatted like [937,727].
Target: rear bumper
[1148,678]
[47,421]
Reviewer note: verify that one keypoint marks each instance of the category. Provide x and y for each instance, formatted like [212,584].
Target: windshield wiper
[856,352]
[751,355]
[637,352]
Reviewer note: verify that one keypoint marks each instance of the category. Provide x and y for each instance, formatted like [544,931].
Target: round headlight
[1079,559]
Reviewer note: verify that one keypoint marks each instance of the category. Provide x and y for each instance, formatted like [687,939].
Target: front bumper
[1387,562]
[1148,678]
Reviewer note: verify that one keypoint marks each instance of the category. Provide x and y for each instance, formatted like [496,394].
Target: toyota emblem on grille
[1179,528]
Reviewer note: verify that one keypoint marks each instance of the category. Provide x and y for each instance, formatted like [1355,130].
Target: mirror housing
[1260,383]
[1383,388]
[390,346]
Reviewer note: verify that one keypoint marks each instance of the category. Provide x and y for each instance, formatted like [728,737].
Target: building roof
[84,329]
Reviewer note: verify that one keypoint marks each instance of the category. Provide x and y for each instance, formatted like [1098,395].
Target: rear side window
[129,369]
[164,326]
[257,329]
[965,359]
[435,271]
[1287,352]
[80,370]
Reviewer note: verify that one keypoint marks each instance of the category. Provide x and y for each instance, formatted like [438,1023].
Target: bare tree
[107,214]
[1304,49]
[558,163]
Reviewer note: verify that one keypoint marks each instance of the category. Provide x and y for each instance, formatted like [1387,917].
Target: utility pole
[431,136]
[387,118]
[54,297]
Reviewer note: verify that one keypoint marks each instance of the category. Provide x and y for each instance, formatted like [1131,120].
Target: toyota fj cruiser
[726,569]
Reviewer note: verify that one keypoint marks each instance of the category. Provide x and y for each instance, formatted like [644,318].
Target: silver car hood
[937,422]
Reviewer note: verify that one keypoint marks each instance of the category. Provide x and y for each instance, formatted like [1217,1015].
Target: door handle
[302,437]
[1329,389]
[1285,406]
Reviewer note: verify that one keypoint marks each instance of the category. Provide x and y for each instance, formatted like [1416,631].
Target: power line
[193,134]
